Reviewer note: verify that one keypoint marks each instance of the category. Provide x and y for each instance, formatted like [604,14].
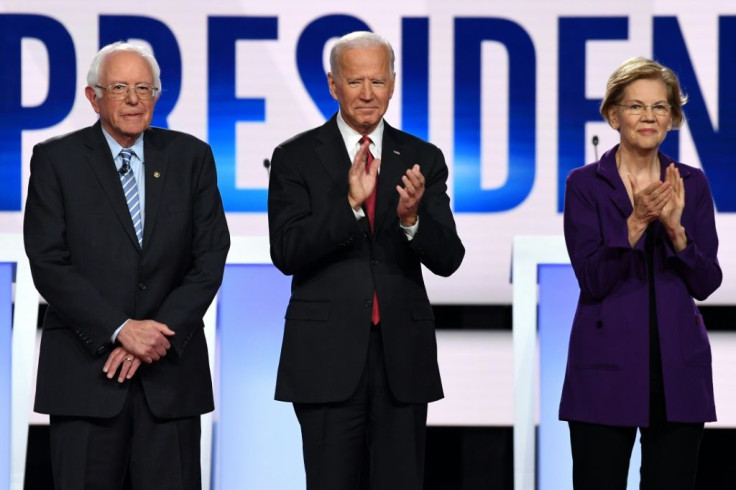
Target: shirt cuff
[117,331]
[410,231]
[359,214]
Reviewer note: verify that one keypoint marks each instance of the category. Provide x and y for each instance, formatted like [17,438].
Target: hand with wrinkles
[410,195]
[147,339]
[648,205]
[360,182]
[672,212]
[121,358]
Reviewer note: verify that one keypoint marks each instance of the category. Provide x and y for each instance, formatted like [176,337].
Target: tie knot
[363,139]
[126,154]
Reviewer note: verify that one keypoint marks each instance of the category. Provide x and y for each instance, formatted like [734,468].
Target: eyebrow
[362,77]
[642,102]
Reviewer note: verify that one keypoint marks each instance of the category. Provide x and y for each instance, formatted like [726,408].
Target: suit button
[142,286]
[374,262]
[599,324]
[368,304]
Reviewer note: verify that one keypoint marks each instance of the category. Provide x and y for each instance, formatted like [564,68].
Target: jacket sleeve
[436,242]
[91,316]
[305,229]
[697,264]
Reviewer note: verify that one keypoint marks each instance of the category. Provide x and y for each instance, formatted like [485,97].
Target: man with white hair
[127,239]
[359,355]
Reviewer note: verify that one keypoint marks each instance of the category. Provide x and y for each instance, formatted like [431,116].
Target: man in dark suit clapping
[356,208]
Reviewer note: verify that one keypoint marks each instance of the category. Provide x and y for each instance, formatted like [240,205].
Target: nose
[648,111]
[648,114]
[132,96]
[366,90]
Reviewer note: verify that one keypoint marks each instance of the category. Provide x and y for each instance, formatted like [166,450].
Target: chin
[368,123]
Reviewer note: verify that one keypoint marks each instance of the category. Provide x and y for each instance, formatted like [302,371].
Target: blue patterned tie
[131,193]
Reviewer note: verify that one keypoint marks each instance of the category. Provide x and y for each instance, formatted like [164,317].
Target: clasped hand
[141,341]
[664,201]
[124,360]
[146,339]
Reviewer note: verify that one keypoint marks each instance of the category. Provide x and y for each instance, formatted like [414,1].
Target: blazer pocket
[422,310]
[694,342]
[308,310]
[599,338]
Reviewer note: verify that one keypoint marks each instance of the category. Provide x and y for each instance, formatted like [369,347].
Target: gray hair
[356,40]
[93,75]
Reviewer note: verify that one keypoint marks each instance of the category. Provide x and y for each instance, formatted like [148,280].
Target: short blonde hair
[642,68]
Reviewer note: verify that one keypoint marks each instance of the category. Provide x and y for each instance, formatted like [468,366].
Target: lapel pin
[397,152]
[156,174]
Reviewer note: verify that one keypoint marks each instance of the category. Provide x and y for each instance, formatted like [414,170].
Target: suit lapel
[392,169]
[609,172]
[156,169]
[334,156]
[332,152]
[102,164]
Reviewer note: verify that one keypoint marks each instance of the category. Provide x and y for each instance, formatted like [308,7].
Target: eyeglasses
[638,109]
[119,91]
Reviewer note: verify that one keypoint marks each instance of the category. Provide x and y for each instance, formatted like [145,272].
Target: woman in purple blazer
[641,235]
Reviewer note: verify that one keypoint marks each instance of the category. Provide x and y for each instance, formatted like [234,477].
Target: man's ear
[331,84]
[91,95]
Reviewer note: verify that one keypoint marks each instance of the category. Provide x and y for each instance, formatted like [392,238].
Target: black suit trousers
[134,450]
[367,441]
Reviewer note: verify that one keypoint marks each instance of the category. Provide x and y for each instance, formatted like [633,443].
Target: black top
[656,384]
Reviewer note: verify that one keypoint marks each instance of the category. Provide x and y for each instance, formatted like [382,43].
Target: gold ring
[128,359]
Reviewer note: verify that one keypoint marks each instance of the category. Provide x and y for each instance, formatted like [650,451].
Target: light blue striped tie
[131,193]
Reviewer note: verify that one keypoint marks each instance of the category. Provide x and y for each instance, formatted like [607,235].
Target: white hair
[356,40]
[93,75]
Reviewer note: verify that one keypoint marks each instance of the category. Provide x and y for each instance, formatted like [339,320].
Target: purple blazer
[607,376]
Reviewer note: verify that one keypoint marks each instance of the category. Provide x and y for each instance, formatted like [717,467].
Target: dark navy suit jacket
[337,263]
[87,264]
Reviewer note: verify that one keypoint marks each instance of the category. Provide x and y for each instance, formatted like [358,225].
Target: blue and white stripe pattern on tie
[131,193]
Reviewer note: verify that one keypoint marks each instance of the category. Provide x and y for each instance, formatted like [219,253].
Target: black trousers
[152,453]
[368,441]
[669,453]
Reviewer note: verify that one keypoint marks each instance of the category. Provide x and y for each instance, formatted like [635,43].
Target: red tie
[370,210]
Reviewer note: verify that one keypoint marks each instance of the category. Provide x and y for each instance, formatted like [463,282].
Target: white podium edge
[528,253]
